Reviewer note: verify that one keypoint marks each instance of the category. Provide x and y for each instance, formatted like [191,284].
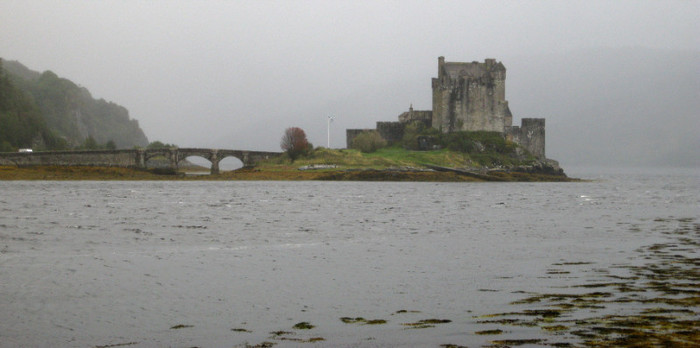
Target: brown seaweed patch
[303,326]
[436,321]
[667,311]
[301,340]
[262,345]
[281,333]
[600,285]
[240,330]
[489,332]
[545,313]
[180,326]
[418,325]
[517,342]
[572,263]
[361,320]
[349,320]
[118,345]
[402,311]
[554,328]
[426,323]
[510,321]
[693,301]
[498,315]
[562,297]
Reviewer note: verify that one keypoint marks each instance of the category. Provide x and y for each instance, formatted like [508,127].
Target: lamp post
[330,119]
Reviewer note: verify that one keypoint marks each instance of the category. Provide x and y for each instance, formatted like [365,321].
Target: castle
[468,97]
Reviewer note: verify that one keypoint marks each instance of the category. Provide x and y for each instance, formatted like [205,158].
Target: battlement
[490,68]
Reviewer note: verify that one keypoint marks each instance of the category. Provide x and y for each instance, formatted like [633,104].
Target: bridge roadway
[133,158]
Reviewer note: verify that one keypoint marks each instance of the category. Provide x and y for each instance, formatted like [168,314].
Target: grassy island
[385,164]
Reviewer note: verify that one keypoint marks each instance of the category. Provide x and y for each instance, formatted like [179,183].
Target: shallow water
[230,263]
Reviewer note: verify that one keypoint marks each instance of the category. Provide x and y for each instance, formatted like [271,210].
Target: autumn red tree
[294,142]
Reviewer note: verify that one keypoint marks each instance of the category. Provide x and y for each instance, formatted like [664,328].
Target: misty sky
[235,74]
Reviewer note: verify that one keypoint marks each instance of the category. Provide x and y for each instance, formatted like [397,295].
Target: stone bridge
[134,158]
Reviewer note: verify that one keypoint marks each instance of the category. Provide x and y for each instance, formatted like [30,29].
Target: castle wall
[470,97]
[423,116]
[530,135]
[392,132]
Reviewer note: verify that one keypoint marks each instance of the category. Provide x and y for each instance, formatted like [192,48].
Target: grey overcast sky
[235,74]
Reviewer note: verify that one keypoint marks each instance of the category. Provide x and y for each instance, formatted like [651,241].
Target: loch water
[221,263]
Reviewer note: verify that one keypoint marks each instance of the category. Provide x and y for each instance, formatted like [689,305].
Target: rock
[548,166]
[318,166]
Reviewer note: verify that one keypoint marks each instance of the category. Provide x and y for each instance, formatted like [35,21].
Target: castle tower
[470,97]
[530,135]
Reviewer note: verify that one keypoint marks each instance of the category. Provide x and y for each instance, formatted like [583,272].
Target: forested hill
[44,111]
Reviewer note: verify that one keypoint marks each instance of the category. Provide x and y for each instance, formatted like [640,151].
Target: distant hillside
[21,123]
[70,111]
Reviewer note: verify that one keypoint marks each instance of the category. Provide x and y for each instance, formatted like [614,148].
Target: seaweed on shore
[303,326]
[656,304]
[426,323]
[360,320]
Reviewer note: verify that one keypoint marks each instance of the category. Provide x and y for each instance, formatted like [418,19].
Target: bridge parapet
[108,158]
[130,158]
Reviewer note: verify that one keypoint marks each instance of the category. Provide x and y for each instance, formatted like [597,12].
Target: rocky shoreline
[545,173]
[548,170]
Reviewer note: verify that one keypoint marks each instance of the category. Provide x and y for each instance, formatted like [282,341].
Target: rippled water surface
[234,263]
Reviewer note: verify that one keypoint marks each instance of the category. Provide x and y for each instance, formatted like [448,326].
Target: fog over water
[616,81]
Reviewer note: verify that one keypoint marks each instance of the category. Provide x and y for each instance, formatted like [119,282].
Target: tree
[159,145]
[6,147]
[368,141]
[294,142]
[90,143]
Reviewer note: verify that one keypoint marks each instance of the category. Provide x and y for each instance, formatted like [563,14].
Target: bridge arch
[194,159]
[230,163]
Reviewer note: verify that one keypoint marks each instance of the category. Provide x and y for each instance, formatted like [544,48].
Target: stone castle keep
[468,97]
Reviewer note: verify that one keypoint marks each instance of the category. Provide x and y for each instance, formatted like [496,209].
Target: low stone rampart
[392,132]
